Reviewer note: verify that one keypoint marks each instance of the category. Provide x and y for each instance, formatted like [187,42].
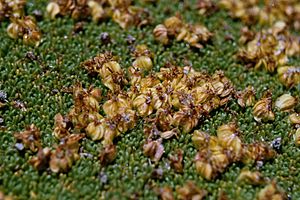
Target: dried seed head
[190,191]
[96,130]
[30,138]
[228,138]
[41,160]
[53,9]
[108,154]
[200,139]
[62,126]
[160,33]
[143,105]
[262,110]
[97,11]
[165,193]
[246,97]
[154,149]
[253,178]
[297,137]
[272,191]
[295,118]
[257,152]
[286,102]
[289,75]
[143,63]
[177,161]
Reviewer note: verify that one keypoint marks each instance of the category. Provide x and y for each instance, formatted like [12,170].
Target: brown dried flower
[246,97]
[108,154]
[177,161]
[165,193]
[253,178]
[30,138]
[289,75]
[295,118]
[262,110]
[154,149]
[190,191]
[286,102]
[271,192]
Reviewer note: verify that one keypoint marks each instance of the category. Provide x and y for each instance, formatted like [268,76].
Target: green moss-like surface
[61,53]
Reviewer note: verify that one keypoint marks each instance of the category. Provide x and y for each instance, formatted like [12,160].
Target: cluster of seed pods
[60,159]
[21,26]
[217,152]
[121,11]
[264,12]
[175,28]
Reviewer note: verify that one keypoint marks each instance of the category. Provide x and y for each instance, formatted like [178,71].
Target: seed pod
[246,97]
[143,62]
[286,102]
[228,138]
[160,33]
[97,11]
[295,118]
[62,126]
[154,149]
[190,191]
[289,75]
[165,193]
[143,105]
[200,139]
[30,138]
[297,137]
[41,160]
[96,130]
[116,105]
[177,161]
[126,120]
[253,178]
[262,110]
[186,118]
[13,30]
[270,192]
[257,152]
[169,134]
[108,154]
[53,9]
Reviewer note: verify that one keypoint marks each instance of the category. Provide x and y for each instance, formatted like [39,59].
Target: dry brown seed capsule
[228,138]
[177,161]
[165,193]
[97,10]
[96,130]
[190,191]
[246,97]
[271,192]
[116,105]
[160,33]
[186,118]
[30,138]
[62,126]
[286,102]
[257,152]
[41,160]
[143,63]
[295,118]
[13,30]
[297,137]
[200,139]
[53,9]
[169,134]
[143,105]
[262,110]
[253,178]
[154,149]
[289,75]
[108,154]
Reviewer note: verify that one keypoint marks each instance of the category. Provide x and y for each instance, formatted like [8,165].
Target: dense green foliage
[39,84]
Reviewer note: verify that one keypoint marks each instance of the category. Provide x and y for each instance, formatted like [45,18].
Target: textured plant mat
[36,92]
